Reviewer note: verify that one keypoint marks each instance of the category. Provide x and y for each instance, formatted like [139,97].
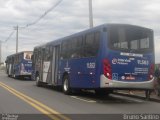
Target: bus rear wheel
[66,86]
[9,75]
[38,82]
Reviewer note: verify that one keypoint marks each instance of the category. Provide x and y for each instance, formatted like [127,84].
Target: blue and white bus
[19,65]
[103,58]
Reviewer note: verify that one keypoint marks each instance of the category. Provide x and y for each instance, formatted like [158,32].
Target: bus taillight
[151,72]
[107,71]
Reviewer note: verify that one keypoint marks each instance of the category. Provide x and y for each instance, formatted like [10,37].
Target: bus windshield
[132,38]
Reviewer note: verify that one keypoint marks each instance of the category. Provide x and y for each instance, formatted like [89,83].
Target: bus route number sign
[91,65]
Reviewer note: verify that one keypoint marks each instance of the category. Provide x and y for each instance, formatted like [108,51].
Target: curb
[137,96]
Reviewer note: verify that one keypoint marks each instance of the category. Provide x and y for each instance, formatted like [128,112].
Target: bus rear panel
[19,65]
[128,60]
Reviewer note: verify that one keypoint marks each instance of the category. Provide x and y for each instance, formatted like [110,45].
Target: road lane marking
[85,100]
[127,98]
[32,104]
[140,101]
[36,104]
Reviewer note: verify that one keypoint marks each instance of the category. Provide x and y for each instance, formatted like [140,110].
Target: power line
[36,21]
[43,15]
[10,35]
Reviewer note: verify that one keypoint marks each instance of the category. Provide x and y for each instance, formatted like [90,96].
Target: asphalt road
[72,106]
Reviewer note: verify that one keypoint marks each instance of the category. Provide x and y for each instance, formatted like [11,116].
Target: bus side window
[39,55]
[12,60]
[35,54]
[46,55]
[89,41]
[96,41]
[77,49]
[65,49]
[72,48]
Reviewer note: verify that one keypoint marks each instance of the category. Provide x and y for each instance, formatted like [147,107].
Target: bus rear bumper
[107,83]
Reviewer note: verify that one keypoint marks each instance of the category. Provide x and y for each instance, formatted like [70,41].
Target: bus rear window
[123,37]
[27,56]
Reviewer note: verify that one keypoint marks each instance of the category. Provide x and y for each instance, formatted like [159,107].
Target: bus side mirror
[32,57]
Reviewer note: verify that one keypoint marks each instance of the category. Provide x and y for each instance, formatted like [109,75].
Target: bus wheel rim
[37,79]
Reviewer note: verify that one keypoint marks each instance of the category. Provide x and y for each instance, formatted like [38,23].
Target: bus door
[47,64]
[55,59]
[40,63]
[9,69]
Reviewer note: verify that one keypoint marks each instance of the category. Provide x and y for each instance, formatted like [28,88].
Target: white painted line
[127,98]
[140,101]
[75,97]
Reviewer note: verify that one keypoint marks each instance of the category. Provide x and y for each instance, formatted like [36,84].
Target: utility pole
[90,14]
[16,28]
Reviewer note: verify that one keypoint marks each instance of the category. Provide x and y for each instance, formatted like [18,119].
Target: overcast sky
[69,17]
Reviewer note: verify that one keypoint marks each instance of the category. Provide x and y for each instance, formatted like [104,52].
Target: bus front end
[128,61]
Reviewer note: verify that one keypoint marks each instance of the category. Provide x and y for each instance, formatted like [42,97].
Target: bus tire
[66,86]
[38,83]
[147,94]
